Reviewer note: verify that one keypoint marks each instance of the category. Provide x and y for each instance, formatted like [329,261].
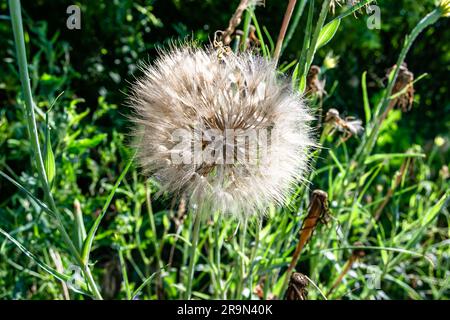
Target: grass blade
[87,245]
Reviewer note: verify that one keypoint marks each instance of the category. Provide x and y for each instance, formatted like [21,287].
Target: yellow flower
[444,5]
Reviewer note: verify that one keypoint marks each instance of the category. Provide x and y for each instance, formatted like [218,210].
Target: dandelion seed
[206,97]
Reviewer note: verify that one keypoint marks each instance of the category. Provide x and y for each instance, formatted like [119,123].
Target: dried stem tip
[318,211]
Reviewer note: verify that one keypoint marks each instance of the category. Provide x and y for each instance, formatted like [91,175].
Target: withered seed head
[315,86]
[350,126]
[403,85]
[297,287]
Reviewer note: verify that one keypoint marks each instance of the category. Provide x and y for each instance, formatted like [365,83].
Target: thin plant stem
[254,252]
[316,34]
[246,29]
[284,26]
[241,280]
[218,247]
[193,252]
[123,269]
[16,21]
[297,15]
[157,248]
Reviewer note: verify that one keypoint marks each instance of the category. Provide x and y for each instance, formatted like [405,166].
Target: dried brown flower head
[297,287]
[350,126]
[315,86]
[403,90]
[237,17]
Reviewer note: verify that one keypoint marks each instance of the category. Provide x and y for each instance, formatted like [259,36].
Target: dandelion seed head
[194,90]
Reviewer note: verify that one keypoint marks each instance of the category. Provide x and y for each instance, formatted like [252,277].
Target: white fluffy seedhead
[225,130]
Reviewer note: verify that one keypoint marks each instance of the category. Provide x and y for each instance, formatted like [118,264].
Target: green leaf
[327,33]
[411,292]
[367,110]
[259,34]
[77,118]
[81,145]
[142,286]
[302,84]
[295,75]
[433,212]
[49,157]
[388,156]
[87,245]
[80,230]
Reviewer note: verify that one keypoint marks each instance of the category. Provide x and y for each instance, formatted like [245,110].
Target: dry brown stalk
[60,268]
[403,91]
[318,211]
[284,25]
[236,20]
[357,253]
[391,190]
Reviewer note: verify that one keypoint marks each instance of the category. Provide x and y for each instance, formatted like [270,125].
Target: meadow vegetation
[78,219]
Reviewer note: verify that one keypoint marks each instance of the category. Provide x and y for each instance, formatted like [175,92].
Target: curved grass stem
[17,26]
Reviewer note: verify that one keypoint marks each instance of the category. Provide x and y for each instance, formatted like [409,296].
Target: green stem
[246,29]
[16,21]
[123,269]
[241,280]
[218,247]
[320,24]
[151,218]
[193,252]
[157,247]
